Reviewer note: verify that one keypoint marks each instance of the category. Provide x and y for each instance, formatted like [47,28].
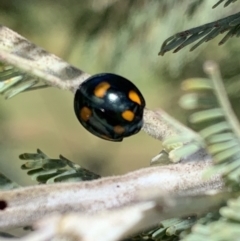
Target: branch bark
[26,205]
[111,225]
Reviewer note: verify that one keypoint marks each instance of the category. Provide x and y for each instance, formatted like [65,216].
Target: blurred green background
[122,37]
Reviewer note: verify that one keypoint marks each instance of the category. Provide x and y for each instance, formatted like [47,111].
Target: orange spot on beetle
[128,115]
[118,129]
[101,89]
[134,97]
[85,113]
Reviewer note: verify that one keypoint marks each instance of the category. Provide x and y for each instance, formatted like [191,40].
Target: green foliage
[215,122]
[47,170]
[205,33]
[219,226]
[210,114]
[227,2]
[195,4]
[13,81]
[168,230]
[6,183]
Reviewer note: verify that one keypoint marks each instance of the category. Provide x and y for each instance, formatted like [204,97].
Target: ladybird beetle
[109,106]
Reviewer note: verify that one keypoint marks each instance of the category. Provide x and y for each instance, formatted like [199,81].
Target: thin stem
[212,70]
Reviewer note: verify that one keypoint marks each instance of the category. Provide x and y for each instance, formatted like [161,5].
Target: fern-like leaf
[168,230]
[13,81]
[48,170]
[204,33]
[6,183]
[222,225]
[227,2]
[212,117]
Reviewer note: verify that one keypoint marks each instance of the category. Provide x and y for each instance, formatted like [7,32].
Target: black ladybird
[109,106]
